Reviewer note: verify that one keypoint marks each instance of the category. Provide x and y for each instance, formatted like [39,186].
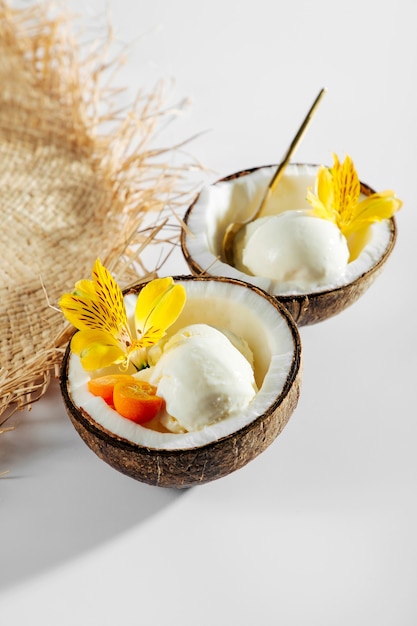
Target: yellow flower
[336,198]
[97,309]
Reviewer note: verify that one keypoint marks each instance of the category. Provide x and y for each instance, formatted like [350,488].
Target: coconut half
[182,460]
[235,198]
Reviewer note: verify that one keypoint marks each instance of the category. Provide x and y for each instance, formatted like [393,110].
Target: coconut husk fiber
[70,190]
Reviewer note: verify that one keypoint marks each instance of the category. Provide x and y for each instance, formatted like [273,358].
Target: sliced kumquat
[137,401]
[103,386]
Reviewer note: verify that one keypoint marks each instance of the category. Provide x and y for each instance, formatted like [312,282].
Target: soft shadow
[58,499]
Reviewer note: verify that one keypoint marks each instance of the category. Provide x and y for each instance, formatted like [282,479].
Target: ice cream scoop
[292,247]
[202,376]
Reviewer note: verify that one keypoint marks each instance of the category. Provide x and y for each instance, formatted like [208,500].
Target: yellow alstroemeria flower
[97,309]
[336,198]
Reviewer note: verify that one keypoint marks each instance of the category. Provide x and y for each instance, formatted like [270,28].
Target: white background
[320,529]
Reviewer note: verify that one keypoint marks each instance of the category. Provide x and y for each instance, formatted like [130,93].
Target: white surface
[320,529]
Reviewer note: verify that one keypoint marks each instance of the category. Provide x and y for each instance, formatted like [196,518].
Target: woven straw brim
[67,194]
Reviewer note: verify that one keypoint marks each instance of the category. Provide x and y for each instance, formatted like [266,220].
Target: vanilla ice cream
[202,376]
[292,247]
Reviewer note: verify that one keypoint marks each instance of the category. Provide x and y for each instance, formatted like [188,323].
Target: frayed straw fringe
[69,191]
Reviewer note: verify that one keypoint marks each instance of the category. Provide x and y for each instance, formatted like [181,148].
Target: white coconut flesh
[235,200]
[229,306]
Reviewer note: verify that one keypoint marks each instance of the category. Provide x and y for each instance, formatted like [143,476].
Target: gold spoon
[234,227]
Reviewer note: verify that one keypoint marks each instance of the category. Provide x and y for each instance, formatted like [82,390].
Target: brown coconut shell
[310,308]
[199,465]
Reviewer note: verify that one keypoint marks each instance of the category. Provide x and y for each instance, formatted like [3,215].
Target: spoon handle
[281,167]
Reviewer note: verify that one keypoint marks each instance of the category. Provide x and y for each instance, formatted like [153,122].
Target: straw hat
[68,194]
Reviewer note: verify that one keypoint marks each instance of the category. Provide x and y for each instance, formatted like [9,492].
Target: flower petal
[84,288]
[319,209]
[374,208]
[324,185]
[96,349]
[322,198]
[346,187]
[110,298]
[357,240]
[98,305]
[149,296]
[78,311]
[158,305]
